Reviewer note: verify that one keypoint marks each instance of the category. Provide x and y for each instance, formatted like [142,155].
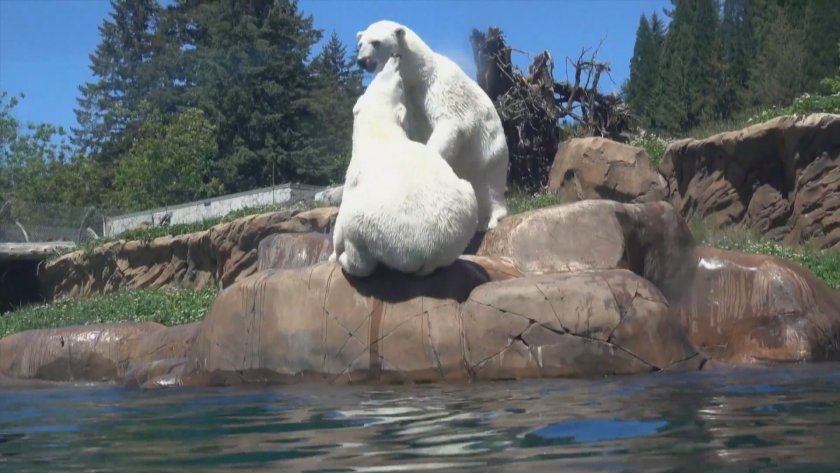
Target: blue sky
[45,44]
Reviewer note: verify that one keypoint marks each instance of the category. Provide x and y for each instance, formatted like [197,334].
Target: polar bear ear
[359,35]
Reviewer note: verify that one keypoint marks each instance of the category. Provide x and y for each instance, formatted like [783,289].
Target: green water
[765,419]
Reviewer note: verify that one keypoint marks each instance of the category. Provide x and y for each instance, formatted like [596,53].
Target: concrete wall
[215,207]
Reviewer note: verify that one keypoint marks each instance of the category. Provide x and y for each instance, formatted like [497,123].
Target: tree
[248,63]
[644,68]
[688,89]
[821,34]
[337,85]
[776,76]
[169,163]
[123,64]
[737,50]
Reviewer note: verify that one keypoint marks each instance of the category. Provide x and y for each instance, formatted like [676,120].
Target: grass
[168,307]
[519,201]
[825,264]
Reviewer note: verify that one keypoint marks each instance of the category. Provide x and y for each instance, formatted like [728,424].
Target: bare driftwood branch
[533,106]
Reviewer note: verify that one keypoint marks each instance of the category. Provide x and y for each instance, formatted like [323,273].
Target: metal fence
[23,222]
[38,222]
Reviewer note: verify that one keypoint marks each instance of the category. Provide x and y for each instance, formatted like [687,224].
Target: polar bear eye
[375,44]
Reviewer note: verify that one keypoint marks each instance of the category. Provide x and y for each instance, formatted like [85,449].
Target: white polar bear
[403,206]
[446,110]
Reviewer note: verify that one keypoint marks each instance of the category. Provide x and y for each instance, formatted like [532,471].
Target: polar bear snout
[367,63]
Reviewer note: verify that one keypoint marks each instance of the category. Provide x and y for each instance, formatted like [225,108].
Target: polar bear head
[380,41]
[384,99]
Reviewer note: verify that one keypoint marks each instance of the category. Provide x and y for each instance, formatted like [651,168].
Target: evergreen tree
[777,76]
[121,66]
[337,85]
[644,68]
[737,49]
[250,74]
[688,89]
[822,33]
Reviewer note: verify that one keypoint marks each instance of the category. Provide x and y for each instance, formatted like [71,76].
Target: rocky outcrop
[780,178]
[293,250]
[85,353]
[455,325]
[598,168]
[584,289]
[744,308]
[649,239]
[218,256]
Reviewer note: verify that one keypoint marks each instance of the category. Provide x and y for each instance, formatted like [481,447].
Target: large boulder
[599,168]
[747,308]
[780,178]
[650,239]
[218,256]
[79,353]
[457,324]
[293,250]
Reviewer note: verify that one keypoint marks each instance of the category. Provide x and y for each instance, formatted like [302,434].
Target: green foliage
[653,144]
[719,64]
[168,307]
[519,202]
[168,162]
[802,105]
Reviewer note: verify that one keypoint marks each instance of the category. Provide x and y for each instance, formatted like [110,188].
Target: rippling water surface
[764,419]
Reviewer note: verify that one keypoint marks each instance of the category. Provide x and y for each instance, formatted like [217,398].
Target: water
[764,419]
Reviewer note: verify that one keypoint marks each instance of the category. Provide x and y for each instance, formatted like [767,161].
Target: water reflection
[779,419]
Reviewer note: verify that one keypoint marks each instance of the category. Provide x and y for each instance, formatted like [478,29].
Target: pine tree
[644,69]
[121,65]
[688,90]
[248,63]
[822,33]
[337,85]
[737,50]
[777,76]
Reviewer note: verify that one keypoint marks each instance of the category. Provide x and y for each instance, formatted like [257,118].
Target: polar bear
[403,206]
[446,110]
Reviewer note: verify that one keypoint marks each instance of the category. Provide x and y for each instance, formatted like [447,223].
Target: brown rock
[598,168]
[754,308]
[165,344]
[651,240]
[293,250]
[781,177]
[315,323]
[89,352]
[220,255]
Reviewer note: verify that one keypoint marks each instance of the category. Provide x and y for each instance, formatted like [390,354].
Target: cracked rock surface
[317,323]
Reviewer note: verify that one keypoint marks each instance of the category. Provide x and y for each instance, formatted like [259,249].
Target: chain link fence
[28,222]
[24,222]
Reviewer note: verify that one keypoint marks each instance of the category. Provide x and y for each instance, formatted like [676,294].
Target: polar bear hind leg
[356,261]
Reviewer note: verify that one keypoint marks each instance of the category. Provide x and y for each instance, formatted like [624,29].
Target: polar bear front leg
[446,139]
[338,242]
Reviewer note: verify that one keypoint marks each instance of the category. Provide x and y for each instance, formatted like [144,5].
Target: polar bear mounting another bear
[446,110]
[403,206]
